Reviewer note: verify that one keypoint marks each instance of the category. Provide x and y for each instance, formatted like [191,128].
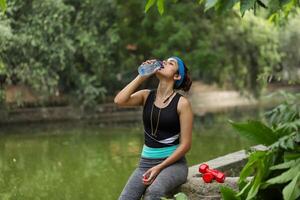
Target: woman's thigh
[168,179]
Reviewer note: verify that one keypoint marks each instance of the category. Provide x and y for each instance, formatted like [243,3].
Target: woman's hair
[187,81]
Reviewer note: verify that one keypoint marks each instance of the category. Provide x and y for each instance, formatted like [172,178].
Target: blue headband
[181,71]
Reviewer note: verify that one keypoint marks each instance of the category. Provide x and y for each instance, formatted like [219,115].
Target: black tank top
[168,129]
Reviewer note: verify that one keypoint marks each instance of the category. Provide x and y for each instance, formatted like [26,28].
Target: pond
[73,161]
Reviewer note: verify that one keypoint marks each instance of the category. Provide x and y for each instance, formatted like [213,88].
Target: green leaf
[285,176]
[288,6]
[256,131]
[292,190]
[257,180]
[180,196]
[210,3]
[286,165]
[228,194]
[160,6]
[285,142]
[224,6]
[3,5]
[253,159]
[246,5]
[254,189]
[149,4]
[260,3]
[289,144]
[290,156]
[246,171]
[259,162]
[287,127]
[244,190]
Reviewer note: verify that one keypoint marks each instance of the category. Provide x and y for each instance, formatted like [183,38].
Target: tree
[39,48]
[289,37]
[275,8]
[58,46]
[217,49]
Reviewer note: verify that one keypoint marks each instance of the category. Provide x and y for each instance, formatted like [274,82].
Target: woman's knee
[154,192]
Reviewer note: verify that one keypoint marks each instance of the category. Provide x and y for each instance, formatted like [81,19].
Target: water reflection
[67,161]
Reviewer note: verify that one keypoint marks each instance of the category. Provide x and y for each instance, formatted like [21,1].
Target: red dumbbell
[207,177]
[210,174]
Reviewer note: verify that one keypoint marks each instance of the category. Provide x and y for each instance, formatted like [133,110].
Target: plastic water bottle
[147,69]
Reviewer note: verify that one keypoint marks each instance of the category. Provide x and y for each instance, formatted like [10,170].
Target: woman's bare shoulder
[145,93]
[184,104]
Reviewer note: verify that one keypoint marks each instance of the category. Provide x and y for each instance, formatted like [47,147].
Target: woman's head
[175,69]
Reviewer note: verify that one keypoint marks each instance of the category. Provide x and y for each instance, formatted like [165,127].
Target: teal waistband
[149,152]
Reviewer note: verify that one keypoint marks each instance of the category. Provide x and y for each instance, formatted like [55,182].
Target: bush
[277,170]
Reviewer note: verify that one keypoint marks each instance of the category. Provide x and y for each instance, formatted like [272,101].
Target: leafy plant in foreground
[276,171]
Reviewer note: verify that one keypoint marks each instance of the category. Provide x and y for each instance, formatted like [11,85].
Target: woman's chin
[159,73]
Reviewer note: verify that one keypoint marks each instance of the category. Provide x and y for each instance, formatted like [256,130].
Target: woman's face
[169,69]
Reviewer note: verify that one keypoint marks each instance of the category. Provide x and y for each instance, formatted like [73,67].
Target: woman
[168,121]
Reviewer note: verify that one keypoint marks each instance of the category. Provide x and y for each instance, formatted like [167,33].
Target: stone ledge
[104,113]
[231,164]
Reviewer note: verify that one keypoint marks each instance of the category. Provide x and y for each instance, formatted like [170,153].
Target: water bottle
[147,69]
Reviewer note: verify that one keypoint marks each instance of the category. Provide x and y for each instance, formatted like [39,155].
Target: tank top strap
[175,100]
[150,98]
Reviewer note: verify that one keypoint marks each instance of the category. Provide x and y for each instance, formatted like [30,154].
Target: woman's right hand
[149,62]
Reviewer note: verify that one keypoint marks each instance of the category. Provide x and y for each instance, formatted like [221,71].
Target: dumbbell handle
[219,176]
[213,171]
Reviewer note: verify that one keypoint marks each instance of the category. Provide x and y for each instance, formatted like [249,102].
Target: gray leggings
[168,179]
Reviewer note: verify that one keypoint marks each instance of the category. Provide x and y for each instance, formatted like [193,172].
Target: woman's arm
[186,126]
[126,97]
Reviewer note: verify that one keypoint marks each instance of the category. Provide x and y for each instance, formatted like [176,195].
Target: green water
[83,161]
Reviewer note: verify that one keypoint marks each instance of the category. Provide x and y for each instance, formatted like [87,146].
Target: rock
[231,164]
[196,188]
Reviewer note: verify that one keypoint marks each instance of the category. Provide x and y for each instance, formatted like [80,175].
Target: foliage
[277,170]
[49,46]
[5,35]
[225,50]
[178,196]
[268,57]
[39,48]
[2,97]
[257,131]
[289,37]
[90,49]
[89,90]
[252,58]
[275,8]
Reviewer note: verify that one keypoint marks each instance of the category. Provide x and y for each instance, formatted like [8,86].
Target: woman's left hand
[150,175]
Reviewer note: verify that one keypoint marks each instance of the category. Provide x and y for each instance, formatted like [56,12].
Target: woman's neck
[164,89]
